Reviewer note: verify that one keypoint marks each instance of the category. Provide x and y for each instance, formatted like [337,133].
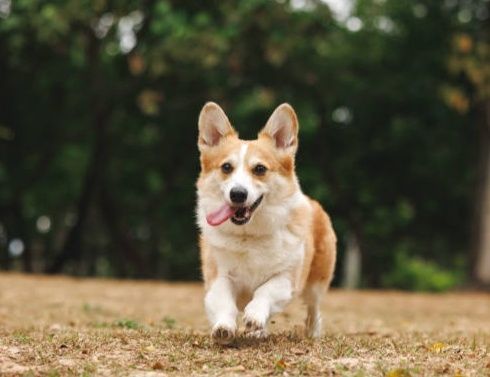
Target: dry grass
[62,326]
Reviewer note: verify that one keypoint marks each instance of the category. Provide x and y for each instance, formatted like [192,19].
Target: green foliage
[22,337]
[414,273]
[127,324]
[100,135]
[169,322]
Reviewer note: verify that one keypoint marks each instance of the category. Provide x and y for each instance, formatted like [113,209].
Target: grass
[87,327]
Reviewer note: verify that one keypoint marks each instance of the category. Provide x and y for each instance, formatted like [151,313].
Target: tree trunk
[22,234]
[72,247]
[351,278]
[355,262]
[120,236]
[13,226]
[4,229]
[480,271]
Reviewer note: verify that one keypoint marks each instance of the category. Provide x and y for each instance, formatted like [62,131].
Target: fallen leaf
[158,365]
[280,364]
[437,347]
[150,348]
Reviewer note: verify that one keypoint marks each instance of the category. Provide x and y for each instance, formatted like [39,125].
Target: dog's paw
[254,329]
[223,335]
[257,334]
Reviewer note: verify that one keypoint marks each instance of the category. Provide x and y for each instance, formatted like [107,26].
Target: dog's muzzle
[243,214]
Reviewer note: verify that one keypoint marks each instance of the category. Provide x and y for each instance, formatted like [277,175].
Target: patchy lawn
[87,327]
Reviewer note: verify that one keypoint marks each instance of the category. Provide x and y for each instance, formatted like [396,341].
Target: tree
[98,126]
[471,60]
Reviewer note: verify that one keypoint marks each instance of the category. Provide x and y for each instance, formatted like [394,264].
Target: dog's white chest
[251,261]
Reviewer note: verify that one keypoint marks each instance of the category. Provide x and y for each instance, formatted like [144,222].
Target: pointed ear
[282,128]
[213,126]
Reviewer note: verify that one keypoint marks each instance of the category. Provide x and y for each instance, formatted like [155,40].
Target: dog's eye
[226,168]
[259,169]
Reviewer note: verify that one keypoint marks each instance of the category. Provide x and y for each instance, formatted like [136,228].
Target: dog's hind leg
[313,296]
[321,269]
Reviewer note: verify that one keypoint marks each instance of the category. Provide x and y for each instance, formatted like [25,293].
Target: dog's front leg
[269,298]
[221,309]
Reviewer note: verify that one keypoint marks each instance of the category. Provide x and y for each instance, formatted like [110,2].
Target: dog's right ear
[213,126]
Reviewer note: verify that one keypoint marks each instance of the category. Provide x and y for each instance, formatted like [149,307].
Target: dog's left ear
[282,128]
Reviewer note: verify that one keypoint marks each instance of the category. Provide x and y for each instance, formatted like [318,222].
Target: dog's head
[239,176]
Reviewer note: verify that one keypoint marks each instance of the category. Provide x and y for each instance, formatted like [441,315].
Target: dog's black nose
[238,195]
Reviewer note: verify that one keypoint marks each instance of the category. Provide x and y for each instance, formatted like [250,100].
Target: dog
[262,240]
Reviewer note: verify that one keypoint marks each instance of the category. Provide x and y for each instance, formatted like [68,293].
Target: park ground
[59,326]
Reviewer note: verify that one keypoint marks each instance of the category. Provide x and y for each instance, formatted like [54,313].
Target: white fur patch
[259,258]
[313,295]
[251,254]
[220,303]
[269,298]
[241,178]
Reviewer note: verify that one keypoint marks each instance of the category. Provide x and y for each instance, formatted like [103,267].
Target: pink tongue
[220,216]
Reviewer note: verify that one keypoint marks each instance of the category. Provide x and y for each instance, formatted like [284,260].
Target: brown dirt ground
[57,326]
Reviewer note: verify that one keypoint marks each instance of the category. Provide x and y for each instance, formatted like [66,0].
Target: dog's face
[238,176]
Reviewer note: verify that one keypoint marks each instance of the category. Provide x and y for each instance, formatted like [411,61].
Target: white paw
[254,328]
[223,334]
[257,334]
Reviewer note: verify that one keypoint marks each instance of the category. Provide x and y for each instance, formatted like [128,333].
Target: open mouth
[238,215]
[243,214]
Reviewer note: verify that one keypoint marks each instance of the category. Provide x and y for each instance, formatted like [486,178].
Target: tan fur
[208,264]
[283,162]
[212,158]
[306,221]
[324,246]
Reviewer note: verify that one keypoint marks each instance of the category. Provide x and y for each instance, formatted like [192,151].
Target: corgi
[262,240]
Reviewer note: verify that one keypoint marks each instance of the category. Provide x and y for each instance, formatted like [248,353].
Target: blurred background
[98,126]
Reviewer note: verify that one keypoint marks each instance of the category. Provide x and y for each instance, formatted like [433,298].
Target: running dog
[262,241]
